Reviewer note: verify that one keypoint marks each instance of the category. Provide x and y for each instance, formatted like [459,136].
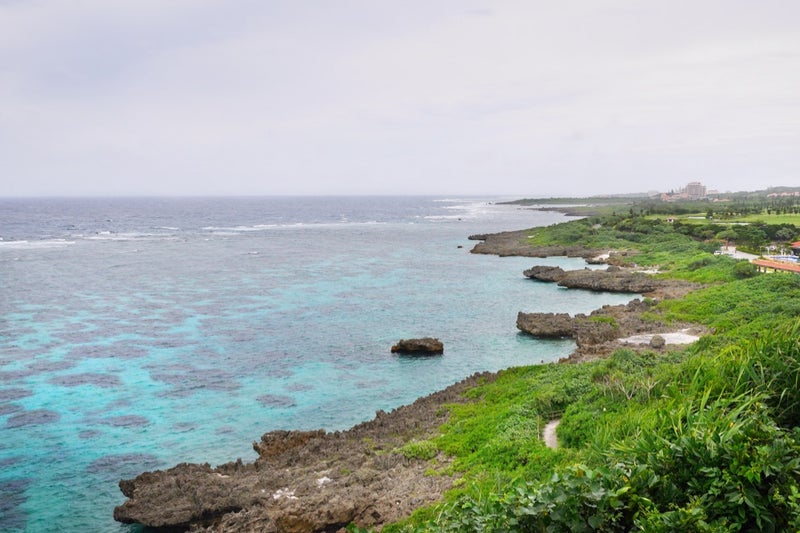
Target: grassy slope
[639,433]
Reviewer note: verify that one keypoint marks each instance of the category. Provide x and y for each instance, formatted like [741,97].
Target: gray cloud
[245,97]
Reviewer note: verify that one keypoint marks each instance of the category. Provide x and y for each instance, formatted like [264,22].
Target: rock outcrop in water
[599,333]
[586,331]
[305,481]
[514,243]
[546,325]
[544,273]
[614,279]
[422,346]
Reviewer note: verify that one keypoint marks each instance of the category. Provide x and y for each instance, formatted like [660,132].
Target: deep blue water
[138,333]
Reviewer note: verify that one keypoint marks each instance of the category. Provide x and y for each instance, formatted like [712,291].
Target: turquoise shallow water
[135,334]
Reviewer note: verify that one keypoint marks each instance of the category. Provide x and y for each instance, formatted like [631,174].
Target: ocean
[138,333]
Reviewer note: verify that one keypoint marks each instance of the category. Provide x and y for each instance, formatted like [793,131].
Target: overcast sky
[534,98]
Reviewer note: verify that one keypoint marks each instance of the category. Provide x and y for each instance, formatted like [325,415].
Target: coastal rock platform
[614,279]
[619,277]
[514,243]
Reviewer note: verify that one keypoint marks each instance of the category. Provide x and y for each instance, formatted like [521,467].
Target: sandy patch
[679,337]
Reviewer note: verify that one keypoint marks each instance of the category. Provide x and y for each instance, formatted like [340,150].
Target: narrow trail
[549,434]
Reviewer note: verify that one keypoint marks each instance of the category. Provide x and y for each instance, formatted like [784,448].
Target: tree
[752,236]
[728,235]
[785,234]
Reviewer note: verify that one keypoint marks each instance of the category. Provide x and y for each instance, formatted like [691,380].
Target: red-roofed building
[766,265]
[796,248]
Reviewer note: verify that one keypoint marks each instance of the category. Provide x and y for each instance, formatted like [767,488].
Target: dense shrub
[744,269]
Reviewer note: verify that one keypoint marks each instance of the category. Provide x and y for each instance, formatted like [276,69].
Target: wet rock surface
[304,481]
[421,346]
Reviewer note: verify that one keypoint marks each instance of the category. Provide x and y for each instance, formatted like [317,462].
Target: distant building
[796,248]
[695,190]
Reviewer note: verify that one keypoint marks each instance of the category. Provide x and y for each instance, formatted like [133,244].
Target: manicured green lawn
[771,219]
[701,218]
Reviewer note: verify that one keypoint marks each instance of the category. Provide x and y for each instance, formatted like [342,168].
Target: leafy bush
[769,365]
[423,450]
[604,319]
[725,458]
[744,269]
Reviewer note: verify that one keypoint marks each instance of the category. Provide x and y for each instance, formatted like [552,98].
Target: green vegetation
[779,205]
[610,320]
[751,220]
[704,439]
[683,251]
[424,450]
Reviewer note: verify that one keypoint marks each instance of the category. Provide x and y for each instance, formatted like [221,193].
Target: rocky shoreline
[315,481]
[305,481]
[513,243]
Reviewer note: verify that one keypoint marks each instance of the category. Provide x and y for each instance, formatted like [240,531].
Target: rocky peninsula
[513,243]
[317,481]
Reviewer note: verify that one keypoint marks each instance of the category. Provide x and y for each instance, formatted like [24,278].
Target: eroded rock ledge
[614,279]
[600,333]
[515,243]
[304,481]
[604,330]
